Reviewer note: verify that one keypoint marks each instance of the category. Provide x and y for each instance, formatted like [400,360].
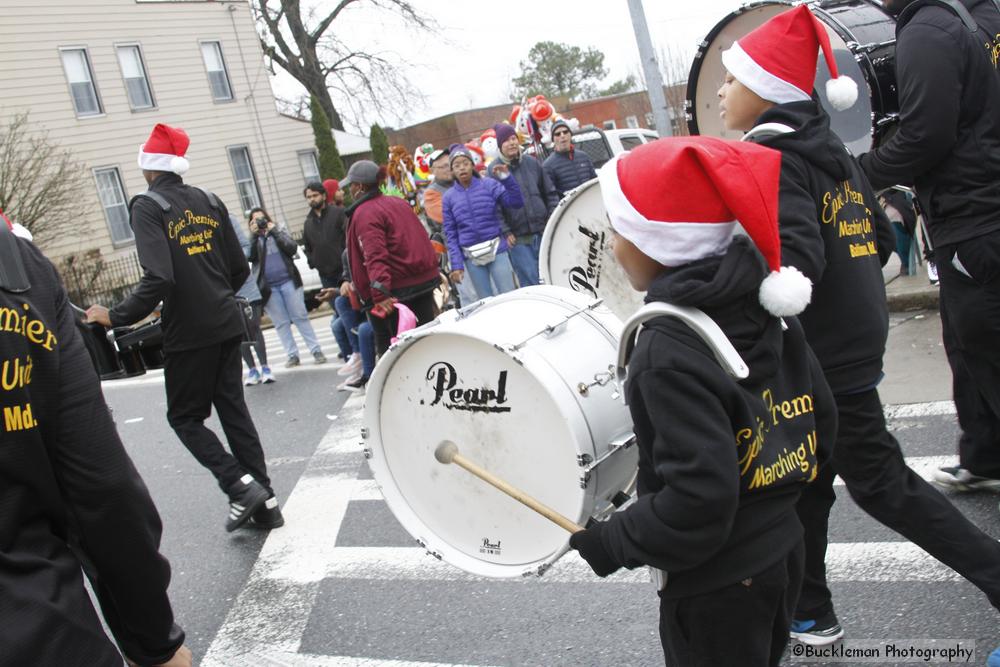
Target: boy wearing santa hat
[722,460]
[834,230]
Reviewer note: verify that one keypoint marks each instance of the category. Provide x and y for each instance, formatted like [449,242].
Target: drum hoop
[695,72]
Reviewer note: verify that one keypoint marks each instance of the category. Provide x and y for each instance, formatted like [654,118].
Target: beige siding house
[98,74]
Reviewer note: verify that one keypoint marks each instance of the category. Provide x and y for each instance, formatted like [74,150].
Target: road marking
[271,612]
[910,410]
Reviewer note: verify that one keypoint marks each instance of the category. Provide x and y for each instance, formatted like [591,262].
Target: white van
[601,145]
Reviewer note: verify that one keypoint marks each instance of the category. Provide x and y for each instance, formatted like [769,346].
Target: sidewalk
[908,292]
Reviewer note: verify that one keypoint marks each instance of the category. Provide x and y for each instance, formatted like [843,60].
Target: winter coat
[191,261]
[540,196]
[834,230]
[948,141]
[721,461]
[471,217]
[249,289]
[323,240]
[433,201]
[70,492]
[287,248]
[569,170]
[388,249]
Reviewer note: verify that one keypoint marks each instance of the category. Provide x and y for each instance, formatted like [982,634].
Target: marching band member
[721,461]
[192,261]
[834,230]
[70,497]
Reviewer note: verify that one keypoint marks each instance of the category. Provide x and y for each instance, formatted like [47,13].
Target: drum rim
[545,247]
[570,412]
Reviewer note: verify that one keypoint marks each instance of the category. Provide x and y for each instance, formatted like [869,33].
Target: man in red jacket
[390,255]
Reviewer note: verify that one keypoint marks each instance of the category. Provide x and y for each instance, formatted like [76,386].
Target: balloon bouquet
[400,179]
[533,119]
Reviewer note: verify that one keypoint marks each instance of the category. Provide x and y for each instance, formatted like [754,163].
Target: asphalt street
[344,584]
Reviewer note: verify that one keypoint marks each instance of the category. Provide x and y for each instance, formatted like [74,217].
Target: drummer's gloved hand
[588,543]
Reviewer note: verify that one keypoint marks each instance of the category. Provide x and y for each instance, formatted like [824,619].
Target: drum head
[853,126]
[513,417]
[576,252]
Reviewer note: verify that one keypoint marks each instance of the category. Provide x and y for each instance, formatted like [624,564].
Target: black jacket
[66,479]
[569,170]
[323,240]
[948,140]
[192,261]
[834,230]
[540,197]
[721,462]
[258,258]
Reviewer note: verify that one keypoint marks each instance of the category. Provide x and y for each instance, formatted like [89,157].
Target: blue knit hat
[504,132]
[459,150]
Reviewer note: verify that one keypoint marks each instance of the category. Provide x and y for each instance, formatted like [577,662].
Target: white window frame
[113,169]
[610,125]
[225,70]
[93,81]
[631,122]
[145,74]
[308,178]
[253,177]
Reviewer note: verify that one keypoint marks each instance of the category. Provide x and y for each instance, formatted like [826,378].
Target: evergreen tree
[330,164]
[380,145]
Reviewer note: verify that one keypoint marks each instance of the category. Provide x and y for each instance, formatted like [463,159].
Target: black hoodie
[721,462]
[833,229]
[948,141]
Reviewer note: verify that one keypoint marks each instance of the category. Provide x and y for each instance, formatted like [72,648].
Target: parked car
[311,283]
[602,145]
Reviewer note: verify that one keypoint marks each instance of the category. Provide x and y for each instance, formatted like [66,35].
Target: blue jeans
[287,305]
[524,258]
[349,318]
[366,339]
[499,270]
[340,335]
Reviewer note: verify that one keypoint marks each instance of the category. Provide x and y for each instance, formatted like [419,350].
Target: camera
[262,223]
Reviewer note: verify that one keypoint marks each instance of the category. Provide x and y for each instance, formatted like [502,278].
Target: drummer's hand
[100,315]
[511,239]
[456,275]
[326,294]
[588,543]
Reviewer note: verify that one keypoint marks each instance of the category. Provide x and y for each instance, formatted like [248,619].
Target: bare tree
[41,184]
[307,45]
[296,107]
[675,66]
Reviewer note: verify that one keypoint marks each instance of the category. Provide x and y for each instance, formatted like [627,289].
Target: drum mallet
[447,452]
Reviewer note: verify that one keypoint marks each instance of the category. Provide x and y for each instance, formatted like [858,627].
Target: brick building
[612,111]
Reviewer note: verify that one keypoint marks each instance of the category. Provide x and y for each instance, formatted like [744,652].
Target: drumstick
[447,452]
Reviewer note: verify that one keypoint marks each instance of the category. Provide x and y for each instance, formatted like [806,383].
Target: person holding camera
[280,285]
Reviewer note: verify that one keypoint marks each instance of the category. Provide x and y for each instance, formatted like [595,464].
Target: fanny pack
[483,253]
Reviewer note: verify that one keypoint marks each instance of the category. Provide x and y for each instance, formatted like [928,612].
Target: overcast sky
[471,62]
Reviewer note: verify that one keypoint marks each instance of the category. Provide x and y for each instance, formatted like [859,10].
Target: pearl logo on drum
[589,279]
[490,548]
[449,392]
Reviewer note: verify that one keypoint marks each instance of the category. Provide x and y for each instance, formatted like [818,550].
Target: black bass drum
[863,37]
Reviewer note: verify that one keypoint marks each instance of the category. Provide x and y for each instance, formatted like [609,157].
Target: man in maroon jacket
[390,254]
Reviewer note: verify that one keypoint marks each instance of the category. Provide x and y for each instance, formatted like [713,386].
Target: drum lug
[367,452]
[600,379]
[434,553]
[364,432]
[537,571]
[585,478]
[584,459]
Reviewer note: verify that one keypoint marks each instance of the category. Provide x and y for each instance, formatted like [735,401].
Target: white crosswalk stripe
[283,587]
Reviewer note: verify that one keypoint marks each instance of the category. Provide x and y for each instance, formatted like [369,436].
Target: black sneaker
[822,631]
[356,386]
[268,515]
[246,497]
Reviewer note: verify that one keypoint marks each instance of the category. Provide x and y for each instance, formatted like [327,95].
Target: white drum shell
[531,434]
[576,252]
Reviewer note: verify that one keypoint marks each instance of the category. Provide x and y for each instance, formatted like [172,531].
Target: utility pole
[650,69]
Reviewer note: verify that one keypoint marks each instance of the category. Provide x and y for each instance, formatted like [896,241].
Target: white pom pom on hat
[165,150]
[777,60]
[682,199]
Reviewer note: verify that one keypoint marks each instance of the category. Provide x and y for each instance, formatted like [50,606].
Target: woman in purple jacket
[475,230]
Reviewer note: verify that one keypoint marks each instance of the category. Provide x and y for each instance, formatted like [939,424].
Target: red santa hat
[778,60]
[165,149]
[682,199]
